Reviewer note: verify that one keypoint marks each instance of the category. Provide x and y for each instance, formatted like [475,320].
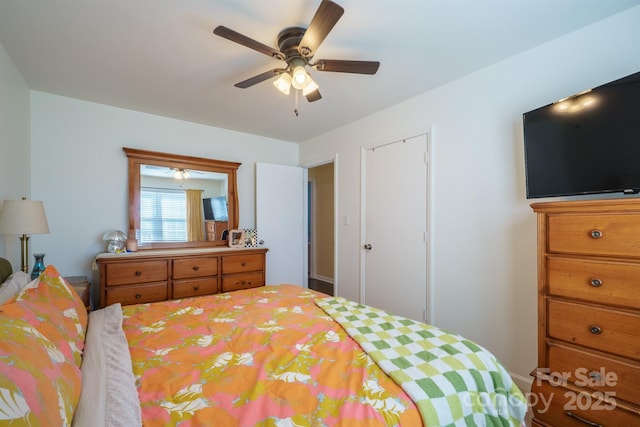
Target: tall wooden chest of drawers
[588,314]
[158,275]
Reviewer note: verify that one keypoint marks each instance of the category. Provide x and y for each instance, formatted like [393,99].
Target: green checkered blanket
[453,381]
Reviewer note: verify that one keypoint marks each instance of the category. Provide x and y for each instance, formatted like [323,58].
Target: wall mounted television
[215,208]
[588,143]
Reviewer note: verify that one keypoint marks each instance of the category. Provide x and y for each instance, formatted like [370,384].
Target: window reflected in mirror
[168,196]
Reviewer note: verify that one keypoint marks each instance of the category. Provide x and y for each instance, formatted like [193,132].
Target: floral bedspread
[266,357]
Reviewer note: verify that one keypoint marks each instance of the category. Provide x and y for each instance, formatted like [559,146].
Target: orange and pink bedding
[266,357]
[272,356]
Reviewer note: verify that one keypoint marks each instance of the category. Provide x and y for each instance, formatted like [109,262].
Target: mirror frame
[139,157]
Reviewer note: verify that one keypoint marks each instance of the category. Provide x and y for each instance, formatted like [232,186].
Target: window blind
[163,215]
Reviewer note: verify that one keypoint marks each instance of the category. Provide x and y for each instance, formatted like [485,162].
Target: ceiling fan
[296,47]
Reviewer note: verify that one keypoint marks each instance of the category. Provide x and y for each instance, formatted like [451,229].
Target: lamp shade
[283,83]
[23,217]
[300,78]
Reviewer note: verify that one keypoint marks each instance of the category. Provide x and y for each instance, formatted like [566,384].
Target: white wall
[14,145]
[79,170]
[483,274]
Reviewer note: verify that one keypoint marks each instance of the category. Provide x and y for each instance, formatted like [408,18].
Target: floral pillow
[52,307]
[39,386]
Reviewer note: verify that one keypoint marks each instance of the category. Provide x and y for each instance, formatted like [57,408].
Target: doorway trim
[333,159]
[313,232]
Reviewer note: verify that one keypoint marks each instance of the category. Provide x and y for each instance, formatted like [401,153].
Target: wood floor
[320,286]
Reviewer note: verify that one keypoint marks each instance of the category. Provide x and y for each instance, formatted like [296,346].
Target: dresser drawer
[615,235]
[597,372]
[138,294]
[608,330]
[241,263]
[195,287]
[128,273]
[568,408]
[605,282]
[184,268]
[233,282]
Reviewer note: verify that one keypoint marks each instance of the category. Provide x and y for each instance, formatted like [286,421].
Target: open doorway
[321,218]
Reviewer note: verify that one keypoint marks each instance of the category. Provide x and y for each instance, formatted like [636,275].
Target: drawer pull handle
[596,234]
[244,263]
[596,283]
[596,330]
[196,288]
[138,273]
[582,420]
[138,296]
[196,268]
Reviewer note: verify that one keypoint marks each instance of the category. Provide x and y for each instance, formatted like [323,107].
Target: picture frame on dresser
[250,238]
[236,239]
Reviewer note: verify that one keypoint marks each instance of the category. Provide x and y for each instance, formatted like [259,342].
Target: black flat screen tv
[588,143]
[215,208]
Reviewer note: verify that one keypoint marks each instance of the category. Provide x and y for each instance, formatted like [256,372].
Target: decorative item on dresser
[38,265]
[158,275]
[588,314]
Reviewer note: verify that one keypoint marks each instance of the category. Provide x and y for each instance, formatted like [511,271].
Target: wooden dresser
[158,275]
[588,314]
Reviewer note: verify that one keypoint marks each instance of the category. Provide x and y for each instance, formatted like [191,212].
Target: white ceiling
[161,56]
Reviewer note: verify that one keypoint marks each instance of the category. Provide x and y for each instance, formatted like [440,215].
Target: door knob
[367,246]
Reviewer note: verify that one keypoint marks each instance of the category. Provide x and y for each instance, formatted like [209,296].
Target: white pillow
[14,284]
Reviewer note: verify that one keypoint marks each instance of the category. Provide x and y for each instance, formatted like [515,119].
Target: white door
[281,221]
[395,227]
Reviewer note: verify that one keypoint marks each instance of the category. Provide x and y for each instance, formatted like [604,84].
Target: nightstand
[82,286]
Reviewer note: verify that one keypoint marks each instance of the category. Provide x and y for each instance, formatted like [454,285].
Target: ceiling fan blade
[323,21]
[313,96]
[235,36]
[340,66]
[260,78]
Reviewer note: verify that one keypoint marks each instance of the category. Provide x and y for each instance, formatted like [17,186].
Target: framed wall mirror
[178,201]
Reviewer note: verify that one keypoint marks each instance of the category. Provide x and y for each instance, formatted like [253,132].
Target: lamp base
[24,256]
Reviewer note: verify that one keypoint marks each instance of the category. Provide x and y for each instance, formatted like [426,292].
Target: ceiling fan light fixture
[180,174]
[300,78]
[310,87]
[283,83]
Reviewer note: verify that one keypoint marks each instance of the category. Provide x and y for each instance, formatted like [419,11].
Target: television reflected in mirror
[215,208]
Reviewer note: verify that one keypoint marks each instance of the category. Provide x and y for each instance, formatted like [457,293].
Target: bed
[271,356]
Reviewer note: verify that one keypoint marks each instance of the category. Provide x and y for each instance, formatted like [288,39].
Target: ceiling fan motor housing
[288,42]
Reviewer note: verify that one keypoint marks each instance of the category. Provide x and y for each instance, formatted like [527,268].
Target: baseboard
[523,383]
[324,279]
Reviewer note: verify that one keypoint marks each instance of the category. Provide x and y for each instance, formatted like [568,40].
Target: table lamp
[23,217]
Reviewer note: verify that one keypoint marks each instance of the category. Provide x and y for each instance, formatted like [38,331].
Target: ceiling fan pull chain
[295,105]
